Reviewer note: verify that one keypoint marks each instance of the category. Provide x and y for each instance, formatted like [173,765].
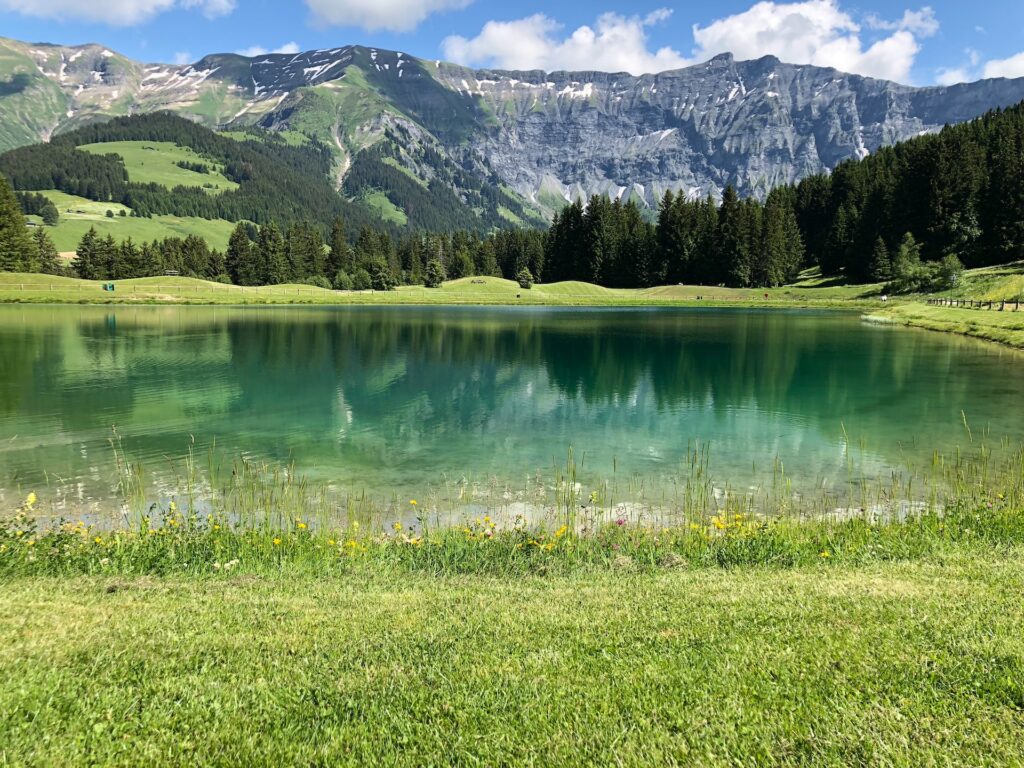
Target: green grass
[388,211]
[473,291]
[154,162]
[1002,327]
[78,215]
[894,664]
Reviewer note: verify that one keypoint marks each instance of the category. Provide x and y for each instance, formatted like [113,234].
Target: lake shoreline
[1003,328]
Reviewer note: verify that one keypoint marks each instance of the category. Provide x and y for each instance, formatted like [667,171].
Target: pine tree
[435,274]
[239,261]
[16,247]
[86,262]
[881,263]
[47,259]
[340,258]
[733,255]
[271,260]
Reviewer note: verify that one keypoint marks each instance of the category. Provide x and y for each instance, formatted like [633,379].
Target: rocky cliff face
[753,124]
[549,137]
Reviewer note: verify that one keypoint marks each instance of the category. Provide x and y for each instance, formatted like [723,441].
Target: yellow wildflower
[397,526]
[97,540]
[413,502]
[825,555]
[30,500]
[277,542]
[301,526]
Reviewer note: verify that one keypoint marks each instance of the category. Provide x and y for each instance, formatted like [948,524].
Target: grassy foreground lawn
[914,663]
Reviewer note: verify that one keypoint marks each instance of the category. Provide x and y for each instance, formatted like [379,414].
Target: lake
[399,400]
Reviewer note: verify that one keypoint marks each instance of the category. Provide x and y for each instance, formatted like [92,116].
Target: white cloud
[922,22]
[211,8]
[259,50]
[616,44]
[371,15]
[183,57]
[818,32]
[118,13]
[1011,67]
[953,76]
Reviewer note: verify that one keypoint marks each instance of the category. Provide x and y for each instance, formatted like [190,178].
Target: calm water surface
[394,400]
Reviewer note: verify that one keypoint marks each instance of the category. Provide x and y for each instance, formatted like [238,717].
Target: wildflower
[620,522]
[825,555]
[397,527]
[277,542]
[216,527]
[19,533]
[216,566]
[30,500]
[105,561]
[412,502]
[331,542]
[301,526]
[172,507]
[97,540]
[561,531]
[355,525]
[30,543]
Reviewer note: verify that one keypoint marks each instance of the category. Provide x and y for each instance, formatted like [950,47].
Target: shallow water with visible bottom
[396,400]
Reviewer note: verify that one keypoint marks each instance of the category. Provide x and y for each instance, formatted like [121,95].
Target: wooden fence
[995,306]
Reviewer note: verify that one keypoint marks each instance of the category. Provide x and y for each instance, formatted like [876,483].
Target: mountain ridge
[543,138]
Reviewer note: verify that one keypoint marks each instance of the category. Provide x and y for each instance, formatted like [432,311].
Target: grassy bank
[1002,327]
[811,292]
[262,634]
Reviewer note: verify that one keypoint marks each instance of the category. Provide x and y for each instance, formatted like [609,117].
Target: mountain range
[537,138]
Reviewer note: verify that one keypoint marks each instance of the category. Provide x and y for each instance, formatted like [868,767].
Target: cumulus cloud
[259,50]
[1011,67]
[118,13]
[371,15]
[818,32]
[615,44]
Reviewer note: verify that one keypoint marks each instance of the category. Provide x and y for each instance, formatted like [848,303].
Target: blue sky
[938,42]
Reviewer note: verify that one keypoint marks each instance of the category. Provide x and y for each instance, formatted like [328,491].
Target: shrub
[319,281]
[342,281]
[361,280]
[524,278]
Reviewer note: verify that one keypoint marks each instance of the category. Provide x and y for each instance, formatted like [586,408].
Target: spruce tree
[86,262]
[435,274]
[16,247]
[47,259]
[881,263]
[239,261]
[272,262]
[340,257]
